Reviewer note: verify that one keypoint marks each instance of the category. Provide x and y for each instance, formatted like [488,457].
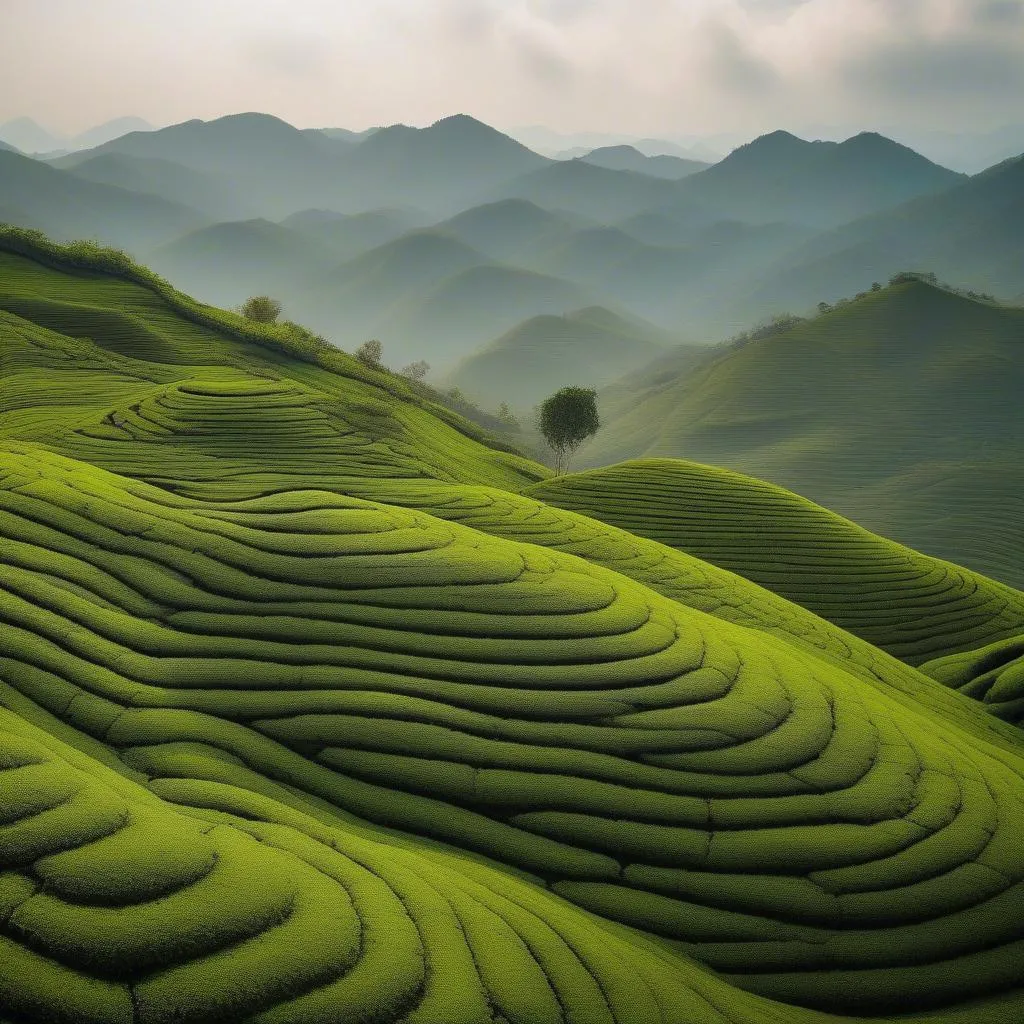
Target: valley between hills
[324,699]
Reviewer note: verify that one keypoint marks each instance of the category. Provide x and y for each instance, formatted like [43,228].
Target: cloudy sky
[670,67]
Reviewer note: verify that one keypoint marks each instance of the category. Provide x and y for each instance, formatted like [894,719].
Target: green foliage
[567,419]
[370,353]
[261,308]
[416,371]
[306,714]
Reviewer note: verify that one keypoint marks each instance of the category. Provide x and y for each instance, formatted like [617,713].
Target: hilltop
[857,409]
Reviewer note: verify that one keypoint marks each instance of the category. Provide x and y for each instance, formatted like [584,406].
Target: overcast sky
[670,67]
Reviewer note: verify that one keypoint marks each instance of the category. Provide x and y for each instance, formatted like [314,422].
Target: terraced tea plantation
[315,706]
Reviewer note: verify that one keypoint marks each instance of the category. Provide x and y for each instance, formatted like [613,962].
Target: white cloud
[649,66]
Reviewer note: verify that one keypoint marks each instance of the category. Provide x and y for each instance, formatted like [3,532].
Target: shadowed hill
[867,409]
[270,701]
[589,347]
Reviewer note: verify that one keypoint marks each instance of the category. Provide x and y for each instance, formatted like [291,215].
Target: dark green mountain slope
[899,410]
[780,177]
[247,712]
[67,207]
[588,347]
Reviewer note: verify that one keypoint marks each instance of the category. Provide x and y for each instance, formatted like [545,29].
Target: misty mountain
[272,167]
[462,312]
[510,228]
[588,347]
[350,234]
[629,158]
[226,263]
[67,207]
[972,234]
[438,168]
[780,177]
[28,136]
[212,196]
[360,294]
[601,194]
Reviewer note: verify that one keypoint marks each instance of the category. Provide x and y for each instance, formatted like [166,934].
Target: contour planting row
[810,836]
[118,908]
[132,332]
[915,607]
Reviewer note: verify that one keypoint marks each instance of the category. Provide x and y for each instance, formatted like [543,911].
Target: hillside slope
[870,410]
[917,608]
[238,606]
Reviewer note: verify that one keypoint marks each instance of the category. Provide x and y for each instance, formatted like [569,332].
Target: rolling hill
[897,409]
[307,714]
[588,347]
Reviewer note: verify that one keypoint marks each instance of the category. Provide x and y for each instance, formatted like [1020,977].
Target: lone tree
[261,308]
[567,419]
[416,371]
[370,352]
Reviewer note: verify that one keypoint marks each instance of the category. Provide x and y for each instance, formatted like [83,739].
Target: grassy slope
[302,656]
[889,409]
[917,608]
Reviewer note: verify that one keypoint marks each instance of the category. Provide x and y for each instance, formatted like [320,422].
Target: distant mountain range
[29,136]
[332,222]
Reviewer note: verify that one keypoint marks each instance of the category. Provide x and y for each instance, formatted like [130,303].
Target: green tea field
[319,704]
